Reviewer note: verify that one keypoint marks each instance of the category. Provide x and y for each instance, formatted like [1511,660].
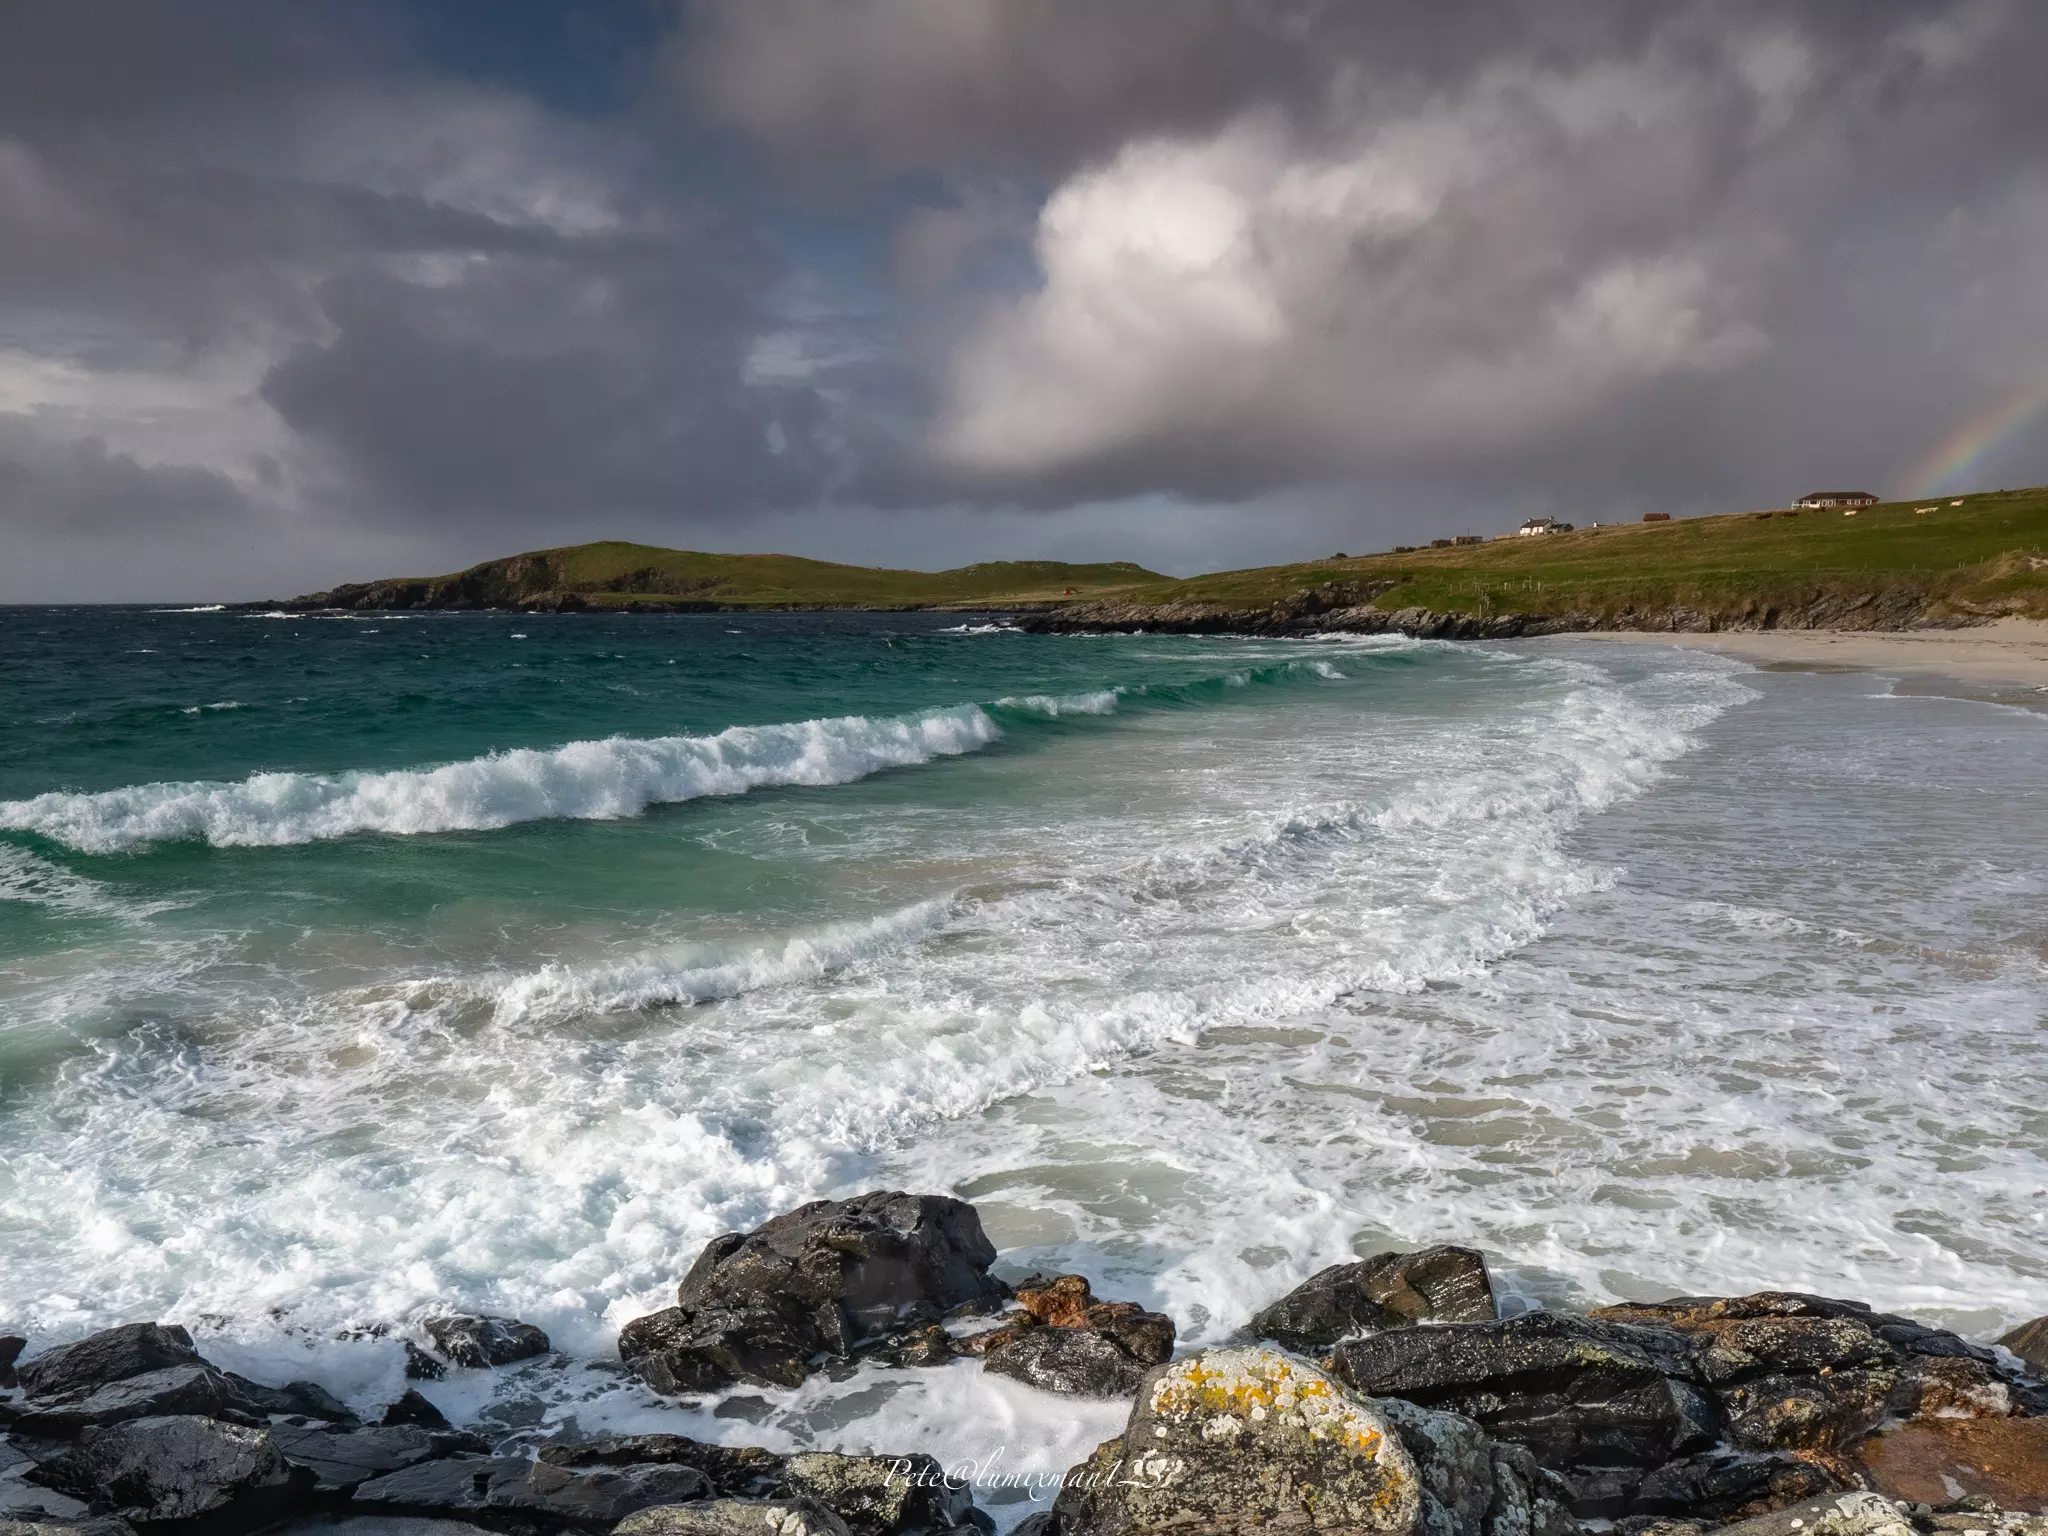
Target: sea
[358,968]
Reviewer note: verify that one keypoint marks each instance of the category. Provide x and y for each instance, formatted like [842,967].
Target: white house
[1537,526]
[1837,499]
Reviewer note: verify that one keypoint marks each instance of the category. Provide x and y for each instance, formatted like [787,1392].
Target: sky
[303,293]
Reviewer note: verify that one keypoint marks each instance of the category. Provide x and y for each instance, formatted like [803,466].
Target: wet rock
[114,1354]
[415,1409]
[1938,1461]
[1078,1362]
[421,1366]
[228,1476]
[734,1517]
[11,1346]
[2030,1342]
[1727,1485]
[882,1495]
[1067,1301]
[1237,1438]
[511,1488]
[1952,1388]
[734,1471]
[1760,1346]
[295,1399]
[177,1390]
[477,1342]
[84,1525]
[1822,1412]
[1847,1514]
[919,1347]
[1573,1391]
[342,1459]
[1441,1284]
[824,1279]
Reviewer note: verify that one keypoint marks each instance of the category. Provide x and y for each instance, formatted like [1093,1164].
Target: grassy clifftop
[620,576]
[1986,556]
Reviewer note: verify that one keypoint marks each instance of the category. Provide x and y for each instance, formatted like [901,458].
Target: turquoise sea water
[354,968]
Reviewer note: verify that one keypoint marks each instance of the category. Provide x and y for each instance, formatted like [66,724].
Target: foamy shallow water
[1201,965]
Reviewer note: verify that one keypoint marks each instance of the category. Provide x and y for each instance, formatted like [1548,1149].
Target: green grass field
[1989,553]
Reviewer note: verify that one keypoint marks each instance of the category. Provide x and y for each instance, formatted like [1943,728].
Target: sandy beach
[2010,653]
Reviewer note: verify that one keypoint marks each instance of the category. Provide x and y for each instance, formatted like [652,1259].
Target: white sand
[2012,652]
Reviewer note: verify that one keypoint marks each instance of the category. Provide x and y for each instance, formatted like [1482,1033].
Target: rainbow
[1976,435]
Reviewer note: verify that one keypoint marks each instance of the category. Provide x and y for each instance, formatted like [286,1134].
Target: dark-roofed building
[1837,499]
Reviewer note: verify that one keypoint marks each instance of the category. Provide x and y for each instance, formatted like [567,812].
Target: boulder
[1077,1362]
[85,1525]
[115,1354]
[1937,1461]
[1389,1290]
[421,1366]
[1062,1339]
[883,1495]
[220,1477]
[733,1471]
[734,1517]
[295,1399]
[342,1459]
[11,1346]
[509,1488]
[2030,1342]
[1575,1392]
[175,1390]
[1472,1484]
[1232,1439]
[485,1341]
[413,1408]
[825,1279]
[1730,1485]
[1847,1514]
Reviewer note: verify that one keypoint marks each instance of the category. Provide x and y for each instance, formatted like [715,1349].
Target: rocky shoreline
[1386,1396]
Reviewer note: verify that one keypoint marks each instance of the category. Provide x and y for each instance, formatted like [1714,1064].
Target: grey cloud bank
[287,297]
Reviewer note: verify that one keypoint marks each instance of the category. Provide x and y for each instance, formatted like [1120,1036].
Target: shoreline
[2007,653]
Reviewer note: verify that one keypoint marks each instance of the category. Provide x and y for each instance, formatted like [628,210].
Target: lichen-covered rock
[881,1495]
[1238,1438]
[824,1279]
[231,1476]
[1847,1514]
[1472,1484]
[1574,1392]
[114,1354]
[477,1342]
[734,1517]
[1826,1411]
[1441,1284]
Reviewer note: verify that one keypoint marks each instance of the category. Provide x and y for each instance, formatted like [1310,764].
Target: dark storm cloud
[316,268]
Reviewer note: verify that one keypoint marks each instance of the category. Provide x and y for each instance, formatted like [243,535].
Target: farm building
[1536,527]
[1837,499]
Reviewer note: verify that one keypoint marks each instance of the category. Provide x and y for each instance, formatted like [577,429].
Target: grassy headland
[616,576]
[1886,567]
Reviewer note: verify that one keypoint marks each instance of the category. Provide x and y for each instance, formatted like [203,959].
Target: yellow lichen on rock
[1230,1386]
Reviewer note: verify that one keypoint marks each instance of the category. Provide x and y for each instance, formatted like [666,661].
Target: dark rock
[1790,1345]
[1235,1439]
[295,1399]
[734,1471]
[2030,1342]
[1951,1387]
[421,1366]
[504,1487]
[415,1409]
[1066,1301]
[114,1354]
[1817,1413]
[881,1495]
[11,1346]
[1574,1391]
[53,1525]
[1725,1485]
[1077,1361]
[484,1341]
[821,1280]
[734,1517]
[205,1474]
[176,1390]
[340,1459]
[1439,1285]
[918,1347]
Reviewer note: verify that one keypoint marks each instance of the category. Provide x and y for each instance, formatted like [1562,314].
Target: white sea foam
[585,780]
[975,629]
[1102,701]
[202,608]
